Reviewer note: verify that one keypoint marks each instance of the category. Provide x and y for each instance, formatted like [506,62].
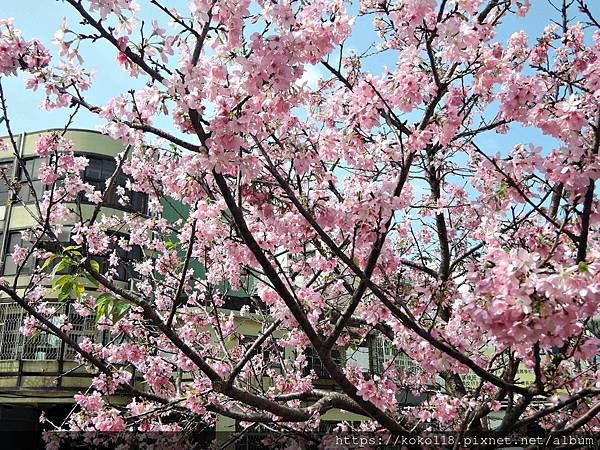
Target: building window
[11,338]
[315,363]
[127,258]
[42,346]
[82,328]
[26,193]
[360,357]
[124,269]
[383,354]
[98,171]
[6,173]
[250,437]
[271,356]
[10,268]
[235,303]
[138,201]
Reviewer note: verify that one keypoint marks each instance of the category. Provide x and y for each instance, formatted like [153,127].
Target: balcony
[41,363]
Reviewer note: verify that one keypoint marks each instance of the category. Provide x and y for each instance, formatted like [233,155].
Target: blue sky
[41,18]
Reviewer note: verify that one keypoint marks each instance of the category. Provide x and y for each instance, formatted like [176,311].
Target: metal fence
[383,354]
[14,345]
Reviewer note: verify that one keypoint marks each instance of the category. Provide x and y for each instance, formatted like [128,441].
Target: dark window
[267,352]
[26,194]
[10,268]
[83,327]
[42,346]
[98,171]
[138,201]
[315,363]
[251,438]
[381,352]
[127,258]
[6,168]
[236,303]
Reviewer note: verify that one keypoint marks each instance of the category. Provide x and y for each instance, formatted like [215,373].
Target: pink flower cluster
[380,392]
[16,53]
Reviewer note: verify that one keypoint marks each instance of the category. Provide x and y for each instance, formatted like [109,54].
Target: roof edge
[44,130]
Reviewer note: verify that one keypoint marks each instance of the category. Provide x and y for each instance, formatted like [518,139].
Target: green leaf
[103,298]
[501,191]
[583,267]
[63,264]
[169,245]
[95,265]
[59,282]
[119,310]
[79,289]
[102,302]
[109,306]
[66,290]
[91,279]
[100,311]
[47,262]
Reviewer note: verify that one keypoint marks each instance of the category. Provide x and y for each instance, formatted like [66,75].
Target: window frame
[124,261]
[31,261]
[112,200]
[10,175]
[24,195]
[314,362]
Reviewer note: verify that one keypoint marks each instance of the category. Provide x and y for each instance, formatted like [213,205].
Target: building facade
[40,374]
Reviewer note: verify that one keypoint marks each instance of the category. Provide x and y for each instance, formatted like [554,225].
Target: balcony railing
[14,345]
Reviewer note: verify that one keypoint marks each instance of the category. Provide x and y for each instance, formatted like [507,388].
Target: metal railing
[14,345]
[383,353]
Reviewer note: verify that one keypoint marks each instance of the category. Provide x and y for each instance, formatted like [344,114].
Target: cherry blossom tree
[374,203]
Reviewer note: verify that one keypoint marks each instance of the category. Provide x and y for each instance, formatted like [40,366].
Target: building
[40,373]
